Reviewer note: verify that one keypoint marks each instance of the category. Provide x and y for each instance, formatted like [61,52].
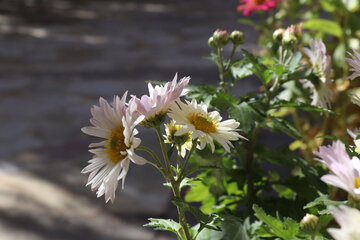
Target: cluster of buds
[289,37]
[220,38]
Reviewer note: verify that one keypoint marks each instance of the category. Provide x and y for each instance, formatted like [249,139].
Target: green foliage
[324,25]
[285,229]
[165,225]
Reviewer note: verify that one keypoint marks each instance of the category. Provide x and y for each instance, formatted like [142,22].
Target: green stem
[221,70]
[152,153]
[249,157]
[182,218]
[164,150]
[187,159]
[231,57]
[175,184]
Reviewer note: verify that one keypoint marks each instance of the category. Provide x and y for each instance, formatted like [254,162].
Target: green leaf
[339,55]
[207,234]
[245,114]
[303,106]
[258,69]
[241,69]
[324,25]
[284,191]
[201,93]
[223,101]
[278,124]
[286,230]
[165,225]
[329,5]
[186,182]
[324,201]
[205,220]
[233,228]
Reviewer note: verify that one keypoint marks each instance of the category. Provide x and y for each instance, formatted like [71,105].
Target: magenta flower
[247,6]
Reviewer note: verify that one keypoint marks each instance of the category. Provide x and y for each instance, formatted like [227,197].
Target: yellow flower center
[116,144]
[357,149]
[202,122]
[357,182]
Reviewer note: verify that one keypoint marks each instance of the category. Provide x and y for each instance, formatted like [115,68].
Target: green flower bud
[212,43]
[237,38]
[221,37]
[310,224]
[278,35]
[289,40]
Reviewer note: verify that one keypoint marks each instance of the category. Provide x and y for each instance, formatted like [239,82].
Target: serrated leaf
[258,68]
[324,25]
[223,101]
[205,220]
[323,200]
[244,114]
[282,125]
[186,182]
[207,234]
[241,69]
[302,106]
[285,230]
[233,228]
[165,225]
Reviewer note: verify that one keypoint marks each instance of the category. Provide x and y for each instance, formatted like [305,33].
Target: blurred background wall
[56,58]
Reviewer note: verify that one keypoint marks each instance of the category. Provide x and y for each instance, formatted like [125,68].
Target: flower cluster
[116,122]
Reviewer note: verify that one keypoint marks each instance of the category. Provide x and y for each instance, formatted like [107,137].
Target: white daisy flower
[321,64]
[354,62]
[348,219]
[205,126]
[116,123]
[345,170]
[155,106]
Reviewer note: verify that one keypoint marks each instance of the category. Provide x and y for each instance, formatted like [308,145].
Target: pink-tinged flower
[354,62]
[320,61]
[321,64]
[348,219]
[346,171]
[155,106]
[247,6]
[110,163]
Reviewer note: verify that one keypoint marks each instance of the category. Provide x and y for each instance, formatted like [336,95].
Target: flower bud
[278,34]
[289,39]
[237,38]
[171,136]
[221,37]
[211,43]
[310,224]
